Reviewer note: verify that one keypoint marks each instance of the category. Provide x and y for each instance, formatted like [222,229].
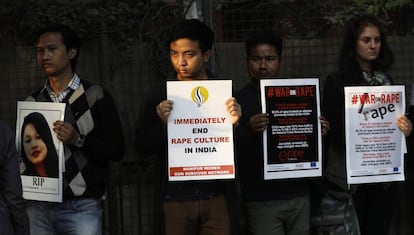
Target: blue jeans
[71,217]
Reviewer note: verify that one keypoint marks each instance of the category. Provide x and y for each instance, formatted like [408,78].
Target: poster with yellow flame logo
[200,131]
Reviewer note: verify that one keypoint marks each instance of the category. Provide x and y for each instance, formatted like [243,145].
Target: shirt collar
[73,84]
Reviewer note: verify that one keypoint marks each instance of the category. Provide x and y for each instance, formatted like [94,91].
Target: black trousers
[373,204]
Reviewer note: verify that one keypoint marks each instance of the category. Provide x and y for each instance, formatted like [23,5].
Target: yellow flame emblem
[199,95]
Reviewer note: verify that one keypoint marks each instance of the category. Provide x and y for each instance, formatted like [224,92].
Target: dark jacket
[249,147]
[333,108]
[13,215]
[152,139]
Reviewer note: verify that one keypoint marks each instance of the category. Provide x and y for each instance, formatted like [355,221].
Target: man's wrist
[80,141]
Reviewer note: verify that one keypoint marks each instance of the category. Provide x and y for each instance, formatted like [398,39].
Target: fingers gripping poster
[375,146]
[40,151]
[200,131]
[292,141]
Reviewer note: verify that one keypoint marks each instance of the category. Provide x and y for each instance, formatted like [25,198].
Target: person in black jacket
[13,215]
[273,207]
[188,207]
[364,59]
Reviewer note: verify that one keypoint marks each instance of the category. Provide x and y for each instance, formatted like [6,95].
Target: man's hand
[325,125]
[234,110]
[65,132]
[259,122]
[164,110]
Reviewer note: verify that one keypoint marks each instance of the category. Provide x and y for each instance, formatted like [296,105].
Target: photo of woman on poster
[37,148]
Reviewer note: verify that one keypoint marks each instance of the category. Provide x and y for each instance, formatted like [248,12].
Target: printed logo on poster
[199,95]
[375,105]
[199,128]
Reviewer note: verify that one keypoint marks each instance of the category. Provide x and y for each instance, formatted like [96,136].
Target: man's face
[52,55]
[263,61]
[188,60]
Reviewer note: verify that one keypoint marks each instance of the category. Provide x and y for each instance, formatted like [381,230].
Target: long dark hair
[42,127]
[347,60]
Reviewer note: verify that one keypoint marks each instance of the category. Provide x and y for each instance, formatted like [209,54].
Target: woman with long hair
[37,147]
[364,59]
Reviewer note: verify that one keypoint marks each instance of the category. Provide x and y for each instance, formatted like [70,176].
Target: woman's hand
[404,124]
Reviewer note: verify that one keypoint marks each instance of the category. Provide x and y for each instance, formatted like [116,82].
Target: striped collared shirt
[73,85]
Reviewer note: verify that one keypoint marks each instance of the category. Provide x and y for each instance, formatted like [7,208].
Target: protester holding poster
[279,206]
[188,207]
[91,133]
[364,59]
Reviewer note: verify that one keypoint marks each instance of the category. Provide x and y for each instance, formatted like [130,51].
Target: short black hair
[264,37]
[69,37]
[193,29]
